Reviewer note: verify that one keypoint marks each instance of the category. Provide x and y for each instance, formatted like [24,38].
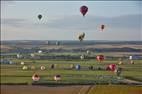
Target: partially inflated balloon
[83,10]
[100,58]
[35,77]
[112,67]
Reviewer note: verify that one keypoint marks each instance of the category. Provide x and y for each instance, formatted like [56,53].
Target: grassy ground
[11,72]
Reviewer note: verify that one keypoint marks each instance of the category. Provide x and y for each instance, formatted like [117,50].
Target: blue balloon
[77,67]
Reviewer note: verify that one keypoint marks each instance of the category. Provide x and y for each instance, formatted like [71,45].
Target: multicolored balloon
[81,37]
[35,77]
[111,67]
[100,58]
[83,10]
[57,77]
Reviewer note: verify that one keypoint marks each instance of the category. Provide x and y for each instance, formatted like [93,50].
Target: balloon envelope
[112,67]
[100,58]
[35,77]
[57,77]
[102,27]
[39,16]
[83,10]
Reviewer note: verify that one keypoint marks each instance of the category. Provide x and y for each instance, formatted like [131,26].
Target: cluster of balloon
[82,57]
[77,67]
[35,77]
[33,68]
[22,63]
[39,16]
[57,77]
[25,67]
[81,37]
[100,58]
[83,10]
[42,68]
[111,67]
[102,27]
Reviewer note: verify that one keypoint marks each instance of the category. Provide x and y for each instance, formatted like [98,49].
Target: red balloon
[100,58]
[83,10]
[111,67]
[102,27]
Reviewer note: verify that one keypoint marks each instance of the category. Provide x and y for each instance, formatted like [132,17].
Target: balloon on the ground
[52,66]
[42,68]
[22,63]
[82,57]
[35,77]
[77,67]
[71,66]
[33,68]
[120,62]
[100,58]
[88,52]
[57,77]
[40,51]
[131,62]
[25,67]
[83,10]
[111,67]
[32,55]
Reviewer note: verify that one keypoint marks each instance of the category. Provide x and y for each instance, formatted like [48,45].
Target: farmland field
[77,81]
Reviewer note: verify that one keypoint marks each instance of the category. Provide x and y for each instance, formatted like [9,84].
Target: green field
[14,74]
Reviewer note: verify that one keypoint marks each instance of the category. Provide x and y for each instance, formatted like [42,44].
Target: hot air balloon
[88,52]
[25,67]
[42,67]
[52,66]
[71,66]
[118,71]
[83,10]
[100,58]
[39,16]
[82,57]
[111,67]
[77,67]
[22,63]
[90,67]
[102,27]
[35,77]
[131,62]
[81,37]
[57,77]
[32,67]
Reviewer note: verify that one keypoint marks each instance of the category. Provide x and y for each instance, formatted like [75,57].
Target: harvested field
[88,89]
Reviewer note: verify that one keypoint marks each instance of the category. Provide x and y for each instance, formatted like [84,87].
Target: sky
[62,20]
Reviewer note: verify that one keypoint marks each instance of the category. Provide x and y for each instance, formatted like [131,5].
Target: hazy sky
[62,20]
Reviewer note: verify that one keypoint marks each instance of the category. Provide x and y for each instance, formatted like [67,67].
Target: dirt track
[21,89]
